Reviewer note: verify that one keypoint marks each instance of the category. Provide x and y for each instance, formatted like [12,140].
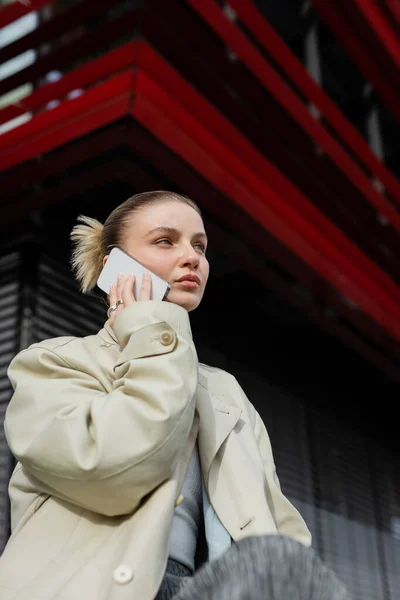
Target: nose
[189,258]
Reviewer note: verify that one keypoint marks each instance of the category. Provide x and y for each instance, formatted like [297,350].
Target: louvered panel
[9,336]
[386,472]
[348,537]
[325,469]
[61,309]
[391,548]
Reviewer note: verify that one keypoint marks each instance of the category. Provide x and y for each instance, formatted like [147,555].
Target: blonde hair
[92,240]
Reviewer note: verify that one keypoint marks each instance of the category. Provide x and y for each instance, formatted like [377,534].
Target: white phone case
[120,262]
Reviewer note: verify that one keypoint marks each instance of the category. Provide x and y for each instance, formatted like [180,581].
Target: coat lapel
[217,420]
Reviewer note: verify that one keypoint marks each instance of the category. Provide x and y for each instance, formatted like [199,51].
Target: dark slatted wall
[346,486]
[61,309]
[9,343]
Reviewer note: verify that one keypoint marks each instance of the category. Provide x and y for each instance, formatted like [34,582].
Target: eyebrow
[173,231]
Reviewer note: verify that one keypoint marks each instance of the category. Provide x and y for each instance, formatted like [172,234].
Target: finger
[112,297]
[145,290]
[128,291]
[120,284]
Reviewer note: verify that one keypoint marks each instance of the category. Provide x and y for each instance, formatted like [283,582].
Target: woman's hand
[124,290]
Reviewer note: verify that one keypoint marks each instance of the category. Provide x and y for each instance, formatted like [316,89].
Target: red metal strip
[249,156]
[381,27]
[255,62]
[150,62]
[100,105]
[100,68]
[373,71]
[77,49]
[180,131]
[326,184]
[172,165]
[47,31]
[394,8]
[75,127]
[267,37]
[49,118]
[16,10]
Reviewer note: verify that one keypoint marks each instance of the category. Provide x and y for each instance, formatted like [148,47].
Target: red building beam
[76,49]
[393,6]
[283,93]
[282,55]
[382,28]
[372,68]
[48,31]
[100,105]
[153,64]
[16,10]
[204,139]
[81,78]
[187,136]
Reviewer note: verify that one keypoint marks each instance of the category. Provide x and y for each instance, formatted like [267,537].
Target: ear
[105,259]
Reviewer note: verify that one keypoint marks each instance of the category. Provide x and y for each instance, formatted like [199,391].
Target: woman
[128,449]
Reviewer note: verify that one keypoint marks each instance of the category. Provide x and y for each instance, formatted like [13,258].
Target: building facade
[281,120]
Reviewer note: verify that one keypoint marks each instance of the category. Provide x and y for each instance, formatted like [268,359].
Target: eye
[164,242]
[201,247]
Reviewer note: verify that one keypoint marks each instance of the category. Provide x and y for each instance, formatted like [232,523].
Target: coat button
[123,574]
[166,338]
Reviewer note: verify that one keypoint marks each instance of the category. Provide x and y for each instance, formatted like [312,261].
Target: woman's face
[169,239]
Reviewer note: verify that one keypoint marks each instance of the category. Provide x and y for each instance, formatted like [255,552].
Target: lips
[189,277]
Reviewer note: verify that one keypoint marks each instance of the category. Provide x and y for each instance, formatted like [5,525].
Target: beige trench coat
[103,428]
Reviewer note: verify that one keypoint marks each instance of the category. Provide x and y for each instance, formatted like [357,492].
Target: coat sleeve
[287,518]
[106,451]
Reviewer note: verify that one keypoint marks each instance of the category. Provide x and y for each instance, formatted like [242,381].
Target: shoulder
[57,345]
[213,377]
[224,385]
[62,346]
[61,349]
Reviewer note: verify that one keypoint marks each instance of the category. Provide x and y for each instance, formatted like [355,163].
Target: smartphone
[120,262]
